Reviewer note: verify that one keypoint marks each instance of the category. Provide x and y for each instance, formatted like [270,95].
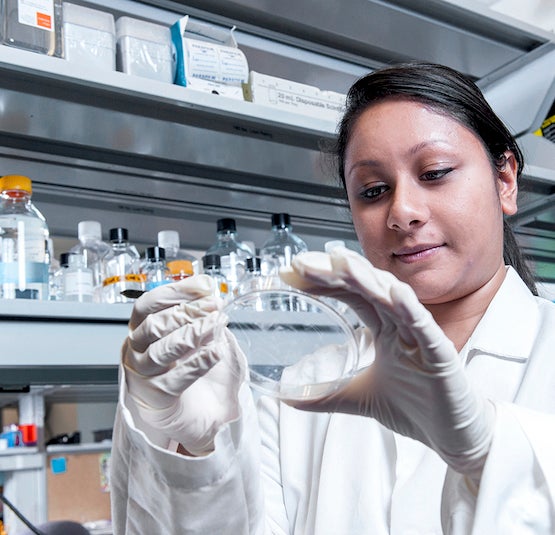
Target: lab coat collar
[510,324]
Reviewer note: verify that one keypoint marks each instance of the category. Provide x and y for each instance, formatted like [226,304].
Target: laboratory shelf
[28,72]
[60,343]
[65,310]
[21,458]
[87,447]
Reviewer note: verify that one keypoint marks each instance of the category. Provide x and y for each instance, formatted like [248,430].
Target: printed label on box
[280,93]
[215,59]
[36,13]
[217,63]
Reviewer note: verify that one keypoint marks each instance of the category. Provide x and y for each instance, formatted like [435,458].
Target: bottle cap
[211,260]
[226,223]
[169,239]
[281,220]
[332,244]
[11,182]
[89,229]
[155,253]
[253,264]
[119,234]
[64,259]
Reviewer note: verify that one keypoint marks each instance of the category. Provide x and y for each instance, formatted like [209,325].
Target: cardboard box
[293,96]
[89,36]
[208,59]
[78,486]
[144,49]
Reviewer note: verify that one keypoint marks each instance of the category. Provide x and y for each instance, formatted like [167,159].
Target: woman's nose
[408,207]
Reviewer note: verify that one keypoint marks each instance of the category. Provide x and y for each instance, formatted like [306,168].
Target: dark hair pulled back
[449,92]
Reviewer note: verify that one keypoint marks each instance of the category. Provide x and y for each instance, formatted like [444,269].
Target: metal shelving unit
[126,150]
[60,352]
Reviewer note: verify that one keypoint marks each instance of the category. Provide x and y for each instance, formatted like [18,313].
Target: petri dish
[297,346]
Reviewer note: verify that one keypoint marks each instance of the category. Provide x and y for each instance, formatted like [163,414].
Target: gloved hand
[416,385]
[184,383]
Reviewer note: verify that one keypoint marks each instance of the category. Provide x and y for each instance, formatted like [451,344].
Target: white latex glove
[416,386]
[184,384]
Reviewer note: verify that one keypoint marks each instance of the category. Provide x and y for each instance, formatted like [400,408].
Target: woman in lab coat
[447,428]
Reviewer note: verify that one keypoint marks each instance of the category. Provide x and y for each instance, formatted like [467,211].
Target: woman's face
[426,202]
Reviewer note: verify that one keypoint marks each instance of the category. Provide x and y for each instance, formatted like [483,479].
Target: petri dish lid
[297,347]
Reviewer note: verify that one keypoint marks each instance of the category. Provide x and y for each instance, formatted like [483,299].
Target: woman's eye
[436,174]
[374,192]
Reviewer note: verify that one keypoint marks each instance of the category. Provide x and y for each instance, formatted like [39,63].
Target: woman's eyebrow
[366,163]
[369,162]
[429,142]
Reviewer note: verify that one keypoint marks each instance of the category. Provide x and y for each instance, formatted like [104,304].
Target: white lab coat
[283,471]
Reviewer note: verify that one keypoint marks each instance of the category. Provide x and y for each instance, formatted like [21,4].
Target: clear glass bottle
[211,265]
[78,280]
[93,250]
[252,280]
[24,258]
[57,279]
[154,269]
[278,251]
[280,248]
[34,25]
[179,263]
[231,251]
[53,267]
[122,268]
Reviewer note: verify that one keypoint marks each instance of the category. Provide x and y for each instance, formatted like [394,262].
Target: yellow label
[128,277]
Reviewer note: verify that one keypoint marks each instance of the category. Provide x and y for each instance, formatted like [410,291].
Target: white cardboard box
[144,49]
[293,96]
[89,36]
[208,58]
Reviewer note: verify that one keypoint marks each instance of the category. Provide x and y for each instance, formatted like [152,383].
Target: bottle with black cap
[121,268]
[231,251]
[280,248]
[57,282]
[211,265]
[251,279]
[154,269]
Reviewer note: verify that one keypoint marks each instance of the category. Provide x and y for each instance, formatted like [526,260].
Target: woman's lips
[408,255]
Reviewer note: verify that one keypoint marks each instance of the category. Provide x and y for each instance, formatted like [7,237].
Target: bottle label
[27,280]
[78,283]
[180,269]
[128,277]
[36,13]
[224,288]
[22,274]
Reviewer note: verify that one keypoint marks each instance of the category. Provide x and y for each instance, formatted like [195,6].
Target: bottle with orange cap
[24,258]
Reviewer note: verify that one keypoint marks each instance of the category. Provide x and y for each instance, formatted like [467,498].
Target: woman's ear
[507,185]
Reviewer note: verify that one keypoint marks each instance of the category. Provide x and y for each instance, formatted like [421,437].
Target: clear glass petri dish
[297,346]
